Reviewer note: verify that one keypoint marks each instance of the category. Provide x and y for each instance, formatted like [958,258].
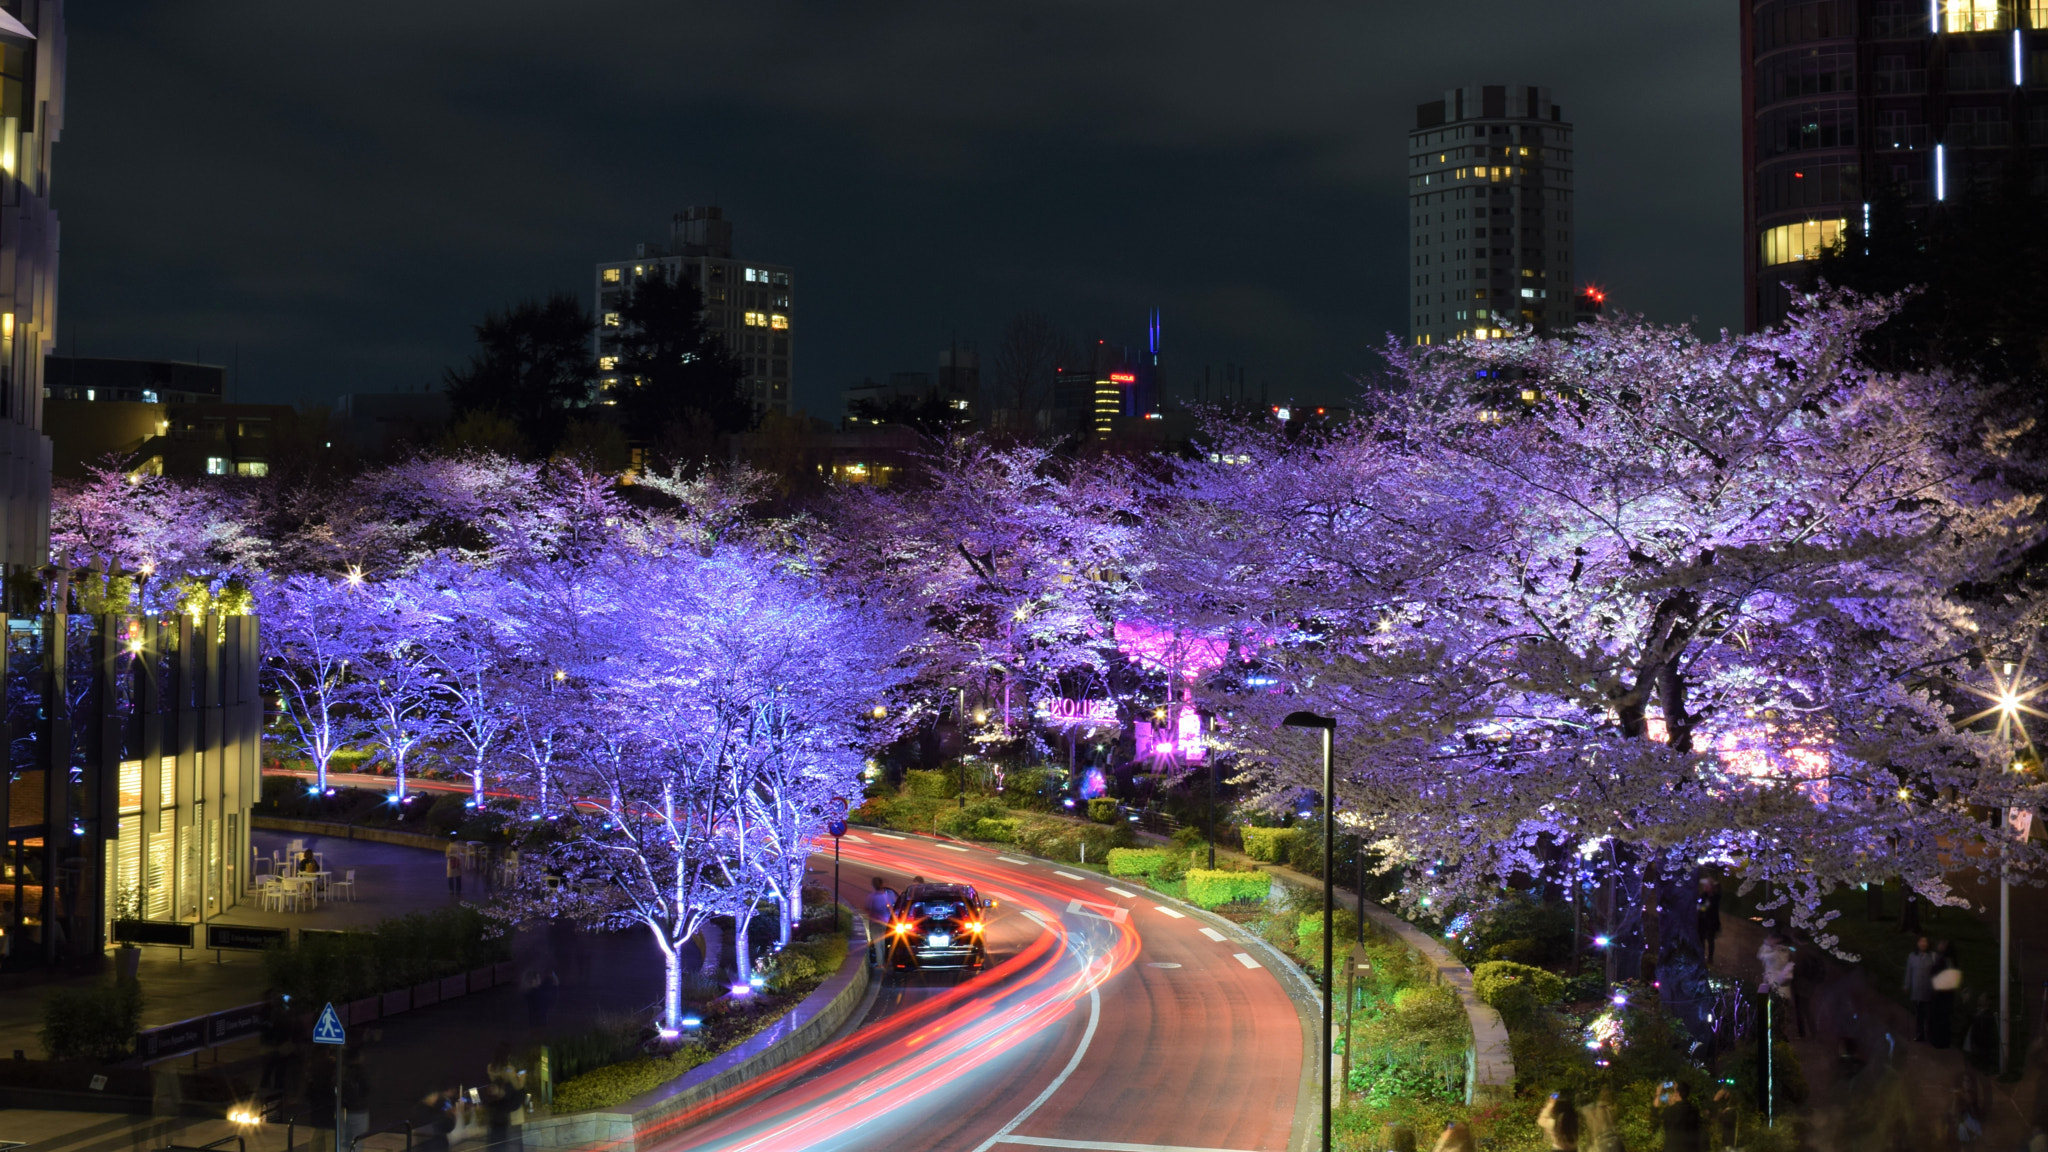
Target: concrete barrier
[351,832]
[656,1117]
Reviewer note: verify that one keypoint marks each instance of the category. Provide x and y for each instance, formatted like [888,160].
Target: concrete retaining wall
[657,1116]
[351,832]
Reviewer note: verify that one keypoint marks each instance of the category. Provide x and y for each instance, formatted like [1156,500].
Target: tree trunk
[672,978]
[709,941]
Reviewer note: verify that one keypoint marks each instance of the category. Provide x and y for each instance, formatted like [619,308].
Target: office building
[1847,100]
[163,417]
[31,117]
[747,304]
[1490,214]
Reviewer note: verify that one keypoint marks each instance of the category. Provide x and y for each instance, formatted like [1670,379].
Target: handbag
[1947,980]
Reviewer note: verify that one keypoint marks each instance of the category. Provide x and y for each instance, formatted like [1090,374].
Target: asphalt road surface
[1105,1021]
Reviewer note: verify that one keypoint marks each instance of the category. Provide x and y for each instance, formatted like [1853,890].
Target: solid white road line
[1010,860]
[1110,1146]
[891,836]
[1245,958]
[954,847]
[1068,875]
[1213,934]
[1080,1050]
[1169,912]
[1122,893]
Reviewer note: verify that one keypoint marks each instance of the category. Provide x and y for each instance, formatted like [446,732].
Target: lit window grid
[1805,240]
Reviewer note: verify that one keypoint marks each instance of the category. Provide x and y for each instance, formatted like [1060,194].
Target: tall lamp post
[1328,727]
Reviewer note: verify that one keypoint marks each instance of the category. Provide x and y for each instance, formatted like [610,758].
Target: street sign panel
[328,1030]
[836,827]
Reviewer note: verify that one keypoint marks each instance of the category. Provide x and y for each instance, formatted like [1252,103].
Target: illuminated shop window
[1970,16]
[1803,241]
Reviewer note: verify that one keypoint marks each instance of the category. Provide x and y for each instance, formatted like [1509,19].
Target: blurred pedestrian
[1707,914]
[355,1097]
[1680,1117]
[1946,979]
[1964,1124]
[505,1099]
[1723,1115]
[881,905]
[1457,1137]
[435,1134]
[1597,1129]
[1559,1121]
[1919,985]
[1776,957]
[454,871]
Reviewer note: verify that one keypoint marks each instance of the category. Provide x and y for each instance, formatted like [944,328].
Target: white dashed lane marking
[954,847]
[1068,875]
[1213,934]
[1008,860]
[1245,959]
[1122,893]
[1169,912]
[891,836]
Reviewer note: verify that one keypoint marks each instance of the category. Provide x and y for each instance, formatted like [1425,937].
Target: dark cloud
[339,191]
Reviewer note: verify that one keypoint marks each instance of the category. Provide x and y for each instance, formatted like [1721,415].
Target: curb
[654,1117]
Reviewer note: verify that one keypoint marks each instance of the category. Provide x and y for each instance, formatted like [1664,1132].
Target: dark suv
[938,926]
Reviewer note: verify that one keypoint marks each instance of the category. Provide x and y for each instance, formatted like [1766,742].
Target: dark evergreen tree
[671,369]
[532,365]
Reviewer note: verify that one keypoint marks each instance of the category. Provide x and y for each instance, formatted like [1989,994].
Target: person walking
[1707,915]
[1919,985]
[1945,980]
[1597,1131]
[881,904]
[1681,1118]
[1776,957]
[1559,1121]
[505,1099]
[355,1098]
[454,871]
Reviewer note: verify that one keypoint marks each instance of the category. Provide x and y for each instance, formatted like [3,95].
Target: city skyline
[1240,176]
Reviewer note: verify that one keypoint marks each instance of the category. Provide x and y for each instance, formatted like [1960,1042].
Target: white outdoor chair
[347,884]
[298,846]
[320,858]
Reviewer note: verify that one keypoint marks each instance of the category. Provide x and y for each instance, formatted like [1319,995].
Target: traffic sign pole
[328,1030]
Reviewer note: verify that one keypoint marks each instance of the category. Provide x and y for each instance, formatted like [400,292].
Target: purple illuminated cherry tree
[310,637]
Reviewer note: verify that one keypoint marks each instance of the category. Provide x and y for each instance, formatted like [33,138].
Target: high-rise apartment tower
[1847,100]
[1489,214]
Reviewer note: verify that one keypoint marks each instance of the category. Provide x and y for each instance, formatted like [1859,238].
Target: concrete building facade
[1491,214]
[748,305]
[31,117]
[1845,100]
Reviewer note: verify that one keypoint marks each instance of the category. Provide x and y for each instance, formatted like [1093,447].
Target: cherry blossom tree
[133,541]
[310,636]
[395,693]
[1649,601]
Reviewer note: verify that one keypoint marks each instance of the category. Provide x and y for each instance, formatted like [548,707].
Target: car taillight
[900,928]
[974,926]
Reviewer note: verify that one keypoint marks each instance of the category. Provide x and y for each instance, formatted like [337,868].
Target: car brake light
[974,926]
[900,927]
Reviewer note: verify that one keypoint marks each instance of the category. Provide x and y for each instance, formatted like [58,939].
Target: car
[938,926]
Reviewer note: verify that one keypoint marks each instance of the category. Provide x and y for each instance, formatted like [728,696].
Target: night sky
[333,193]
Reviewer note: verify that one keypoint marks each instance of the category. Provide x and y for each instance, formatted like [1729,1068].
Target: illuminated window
[1970,16]
[778,320]
[1804,241]
[608,363]
[216,466]
[612,275]
[252,468]
[756,319]
[611,319]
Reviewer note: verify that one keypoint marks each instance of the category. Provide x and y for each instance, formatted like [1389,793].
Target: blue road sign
[328,1030]
[836,827]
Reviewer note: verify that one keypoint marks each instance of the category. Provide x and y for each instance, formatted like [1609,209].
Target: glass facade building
[1490,214]
[1846,100]
[132,765]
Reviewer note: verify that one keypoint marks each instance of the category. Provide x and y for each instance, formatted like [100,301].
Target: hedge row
[1208,889]
[1136,861]
[1269,845]
[398,953]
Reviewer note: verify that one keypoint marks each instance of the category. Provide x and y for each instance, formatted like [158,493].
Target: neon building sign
[1067,712]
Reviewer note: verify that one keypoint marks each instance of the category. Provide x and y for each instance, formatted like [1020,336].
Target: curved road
[1105,1020]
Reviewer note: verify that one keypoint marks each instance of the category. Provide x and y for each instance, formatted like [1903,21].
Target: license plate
[941,940]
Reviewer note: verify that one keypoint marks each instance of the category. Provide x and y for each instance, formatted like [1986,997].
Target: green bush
[1423,1028]
[1188,839]
[397,953]
[1209,889]
[448,812]
[608,1041]
[97,1024]
[1308,936]
[804,964]
[1136,861]
[1029,788]
[1269,845]
[1524,929]
[616,1083]
[1102,809]
[928,784]
[1305,852]
[962,821]
[1175,867]
[1521,950]
[1516,990]
[1001,831]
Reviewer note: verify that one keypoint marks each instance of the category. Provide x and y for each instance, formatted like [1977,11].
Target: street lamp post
[1328,727]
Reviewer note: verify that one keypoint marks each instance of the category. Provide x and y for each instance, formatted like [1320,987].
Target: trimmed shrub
[805,963]
[963,821]
[928,784]
[1269,845]
[1188,839]
[1102,809]
[1308,935]
[1136,861]
[93,1024]
[1516,990]
[1208,889]
[1003,831]
[1305,851]
[1029,788]
[613,1084]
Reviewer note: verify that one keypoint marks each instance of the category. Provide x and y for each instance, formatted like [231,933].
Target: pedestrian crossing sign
[328,1030]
